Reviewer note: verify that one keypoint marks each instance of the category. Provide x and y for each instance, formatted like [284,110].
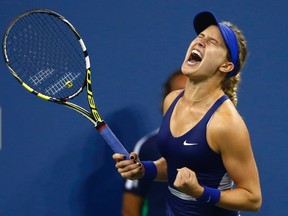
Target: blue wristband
[150,170]
[210,196]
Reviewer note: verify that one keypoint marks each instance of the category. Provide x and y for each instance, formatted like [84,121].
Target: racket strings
[46,53]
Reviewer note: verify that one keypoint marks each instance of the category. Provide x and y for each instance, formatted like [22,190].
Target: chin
[187,69]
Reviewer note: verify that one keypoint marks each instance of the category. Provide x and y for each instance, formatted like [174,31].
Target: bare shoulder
[169,99]
[227,129]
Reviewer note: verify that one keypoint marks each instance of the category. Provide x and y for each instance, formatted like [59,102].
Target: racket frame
[93,116]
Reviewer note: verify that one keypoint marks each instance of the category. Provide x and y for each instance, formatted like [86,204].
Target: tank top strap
[214,107]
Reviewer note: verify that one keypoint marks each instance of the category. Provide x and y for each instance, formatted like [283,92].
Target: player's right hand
[129,169]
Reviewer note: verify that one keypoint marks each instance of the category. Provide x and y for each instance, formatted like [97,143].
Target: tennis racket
[48,57]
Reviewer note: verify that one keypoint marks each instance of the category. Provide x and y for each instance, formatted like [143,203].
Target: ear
[226,67]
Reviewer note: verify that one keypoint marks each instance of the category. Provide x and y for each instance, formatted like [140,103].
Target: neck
[201,95]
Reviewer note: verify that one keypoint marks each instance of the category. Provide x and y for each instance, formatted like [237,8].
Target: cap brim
[203,20]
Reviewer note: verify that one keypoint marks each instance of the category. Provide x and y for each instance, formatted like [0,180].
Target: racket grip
[113,141]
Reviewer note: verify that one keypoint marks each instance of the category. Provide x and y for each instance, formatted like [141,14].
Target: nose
[200,43]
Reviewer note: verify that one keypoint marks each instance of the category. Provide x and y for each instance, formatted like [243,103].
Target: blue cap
[205,19]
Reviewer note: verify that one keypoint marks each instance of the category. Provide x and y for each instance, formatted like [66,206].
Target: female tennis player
[207,158]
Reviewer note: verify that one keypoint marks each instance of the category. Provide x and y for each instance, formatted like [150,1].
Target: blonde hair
[230,84]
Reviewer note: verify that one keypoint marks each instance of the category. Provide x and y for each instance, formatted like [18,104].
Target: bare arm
[231,138]
[227,135]
[161,170]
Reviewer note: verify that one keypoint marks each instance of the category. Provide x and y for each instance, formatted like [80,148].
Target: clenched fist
[186,182]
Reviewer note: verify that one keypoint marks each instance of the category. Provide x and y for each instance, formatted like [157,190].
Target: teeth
[195,57]
[197,53]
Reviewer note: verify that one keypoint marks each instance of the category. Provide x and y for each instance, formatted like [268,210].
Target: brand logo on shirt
[185,143]
[208,199]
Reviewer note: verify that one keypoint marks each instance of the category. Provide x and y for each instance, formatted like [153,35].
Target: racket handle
[113,141]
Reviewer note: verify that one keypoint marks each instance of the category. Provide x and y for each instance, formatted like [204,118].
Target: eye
[214,42]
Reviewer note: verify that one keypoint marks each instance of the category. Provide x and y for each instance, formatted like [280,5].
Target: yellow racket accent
[43,96]
[91,99]
[27,87]
[32,91]
[69,84]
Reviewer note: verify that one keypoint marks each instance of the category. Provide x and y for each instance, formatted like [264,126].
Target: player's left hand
[186,182]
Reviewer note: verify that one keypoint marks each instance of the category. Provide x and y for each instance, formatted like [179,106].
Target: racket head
[45,53]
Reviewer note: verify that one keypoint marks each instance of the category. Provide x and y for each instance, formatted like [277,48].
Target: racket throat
[100,126]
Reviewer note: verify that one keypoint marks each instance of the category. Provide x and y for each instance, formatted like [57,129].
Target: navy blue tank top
[191,150]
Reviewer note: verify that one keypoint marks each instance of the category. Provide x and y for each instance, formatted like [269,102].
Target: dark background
[53,162]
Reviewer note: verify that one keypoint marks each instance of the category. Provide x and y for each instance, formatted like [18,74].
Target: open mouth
[195,57]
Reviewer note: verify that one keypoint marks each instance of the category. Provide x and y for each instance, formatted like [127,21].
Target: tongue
[192,60]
